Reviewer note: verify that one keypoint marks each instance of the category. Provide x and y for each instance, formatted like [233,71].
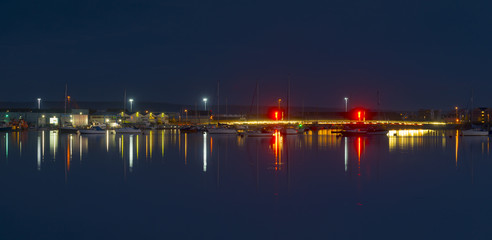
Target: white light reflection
[130,154]
[42,144]
[39,153]
[204,152]
[346,154]
[53,142]
[71,145]
[7,145]
[107,141]
[80,147]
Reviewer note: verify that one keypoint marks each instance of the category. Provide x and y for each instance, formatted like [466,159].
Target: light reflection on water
[129,146]
[317,172]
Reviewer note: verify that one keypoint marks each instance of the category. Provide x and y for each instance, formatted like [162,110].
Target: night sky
[418,54]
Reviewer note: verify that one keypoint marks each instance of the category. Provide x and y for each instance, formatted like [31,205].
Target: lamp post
[346,104]
[186,112]
[131,104]
[39,103]
[279,111]
[457,119]
[205,102]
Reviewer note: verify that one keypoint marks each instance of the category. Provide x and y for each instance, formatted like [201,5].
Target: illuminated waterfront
[167,184]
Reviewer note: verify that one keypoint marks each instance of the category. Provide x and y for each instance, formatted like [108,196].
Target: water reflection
[130,154]
[205,152]
[39,153]
[346,153]
[6,145]
[273,154]
[53,143]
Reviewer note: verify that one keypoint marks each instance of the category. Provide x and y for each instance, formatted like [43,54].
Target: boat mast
[218,103]
[66,92]
[124,101]
[257,103]
[288,99]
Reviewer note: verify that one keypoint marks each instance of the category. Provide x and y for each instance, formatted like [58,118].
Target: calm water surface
[165,185]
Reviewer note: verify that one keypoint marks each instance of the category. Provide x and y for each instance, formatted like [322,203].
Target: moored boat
[128,130]
[260,133]
[93,130]
[289,131]
[475,132]
[221,130]
[353,132]
[68,129]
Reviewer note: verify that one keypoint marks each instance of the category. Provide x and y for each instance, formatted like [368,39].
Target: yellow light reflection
[146,147]
[408,139]
[162,143]
[456,148]
[151,141]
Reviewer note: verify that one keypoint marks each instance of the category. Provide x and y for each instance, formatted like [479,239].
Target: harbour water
[419,184]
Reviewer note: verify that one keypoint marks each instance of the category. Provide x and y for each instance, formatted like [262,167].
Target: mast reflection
[186,147]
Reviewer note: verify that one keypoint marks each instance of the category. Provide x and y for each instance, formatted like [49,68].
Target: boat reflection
[275,155]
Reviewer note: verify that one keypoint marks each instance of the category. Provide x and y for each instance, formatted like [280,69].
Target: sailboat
[93,130]
[475,129]
[220,129]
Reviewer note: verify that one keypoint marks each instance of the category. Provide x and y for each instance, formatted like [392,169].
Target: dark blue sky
[418,54]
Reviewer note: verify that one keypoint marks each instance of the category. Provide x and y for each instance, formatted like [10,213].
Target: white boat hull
[221,131]
[128,130]
[88,131]
[289,131]
[474,132]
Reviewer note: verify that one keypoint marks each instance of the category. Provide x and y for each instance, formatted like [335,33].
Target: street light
[346,104]
[276,114]
[186,111]
[205,102]
[39,103]
[131,105]
[457,119]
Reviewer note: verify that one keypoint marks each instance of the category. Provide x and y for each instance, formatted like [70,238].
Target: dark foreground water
[166,185]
